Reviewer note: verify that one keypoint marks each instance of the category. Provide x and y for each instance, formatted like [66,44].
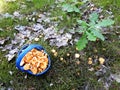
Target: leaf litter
[44,25]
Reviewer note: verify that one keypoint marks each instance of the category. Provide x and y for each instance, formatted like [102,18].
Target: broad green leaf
[90,36]
[98,34]
[70,8]
[81,44]
[76,9]
[93,17]
[67,7]
[80,30]
[82,23]
[104,23]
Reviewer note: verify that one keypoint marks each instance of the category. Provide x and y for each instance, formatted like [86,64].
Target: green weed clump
[92,30]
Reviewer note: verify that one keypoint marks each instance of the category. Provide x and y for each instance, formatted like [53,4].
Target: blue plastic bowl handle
[23,51]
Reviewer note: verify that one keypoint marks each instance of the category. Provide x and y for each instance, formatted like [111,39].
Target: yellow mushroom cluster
[36,61]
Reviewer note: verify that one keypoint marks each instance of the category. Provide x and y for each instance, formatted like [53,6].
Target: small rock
[10,56]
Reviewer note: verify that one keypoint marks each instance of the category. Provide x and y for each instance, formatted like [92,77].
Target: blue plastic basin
[23,51]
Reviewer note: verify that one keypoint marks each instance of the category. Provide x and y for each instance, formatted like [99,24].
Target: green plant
[71,6]
[91,31]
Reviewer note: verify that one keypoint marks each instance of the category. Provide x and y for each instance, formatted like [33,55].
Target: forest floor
[36,21]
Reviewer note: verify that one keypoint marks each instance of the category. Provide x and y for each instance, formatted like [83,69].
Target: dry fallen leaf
[10,56]
[16,14]
[2,41]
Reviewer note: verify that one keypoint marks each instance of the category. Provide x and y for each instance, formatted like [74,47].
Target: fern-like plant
[92,30]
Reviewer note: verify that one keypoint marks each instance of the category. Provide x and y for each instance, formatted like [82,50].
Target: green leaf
[81,44]
[82,23]
[93,17]
[67,7]
[76,9]
[90,36]
[104,23]
[70,8]
[98,34]
[80,30]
